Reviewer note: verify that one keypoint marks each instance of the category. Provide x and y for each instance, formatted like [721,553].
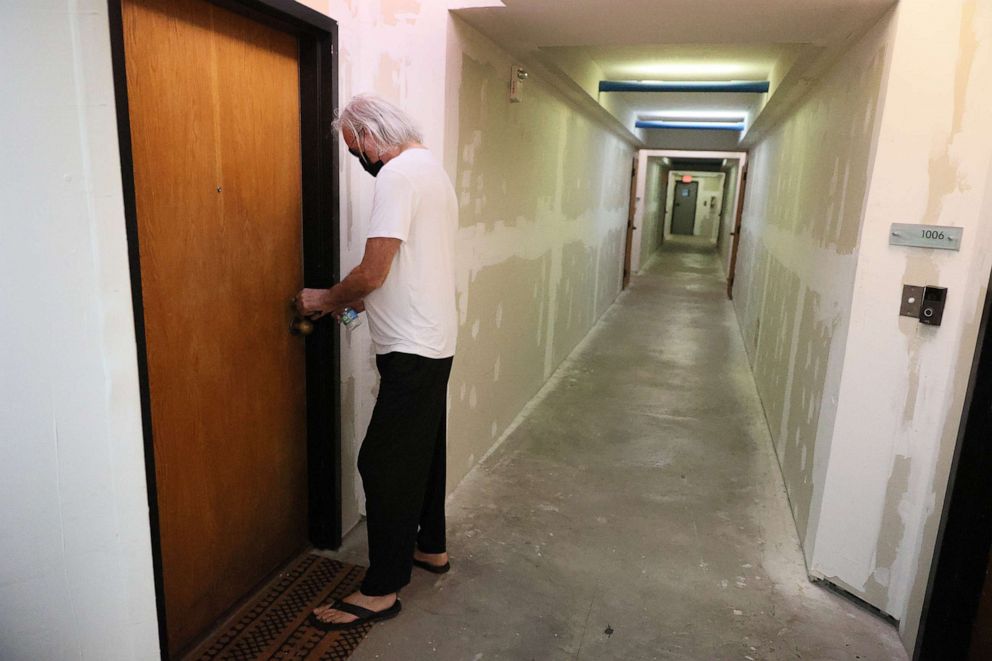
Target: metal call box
[932,309]
[925,304]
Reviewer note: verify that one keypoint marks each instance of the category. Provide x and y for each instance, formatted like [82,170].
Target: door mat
[273,624]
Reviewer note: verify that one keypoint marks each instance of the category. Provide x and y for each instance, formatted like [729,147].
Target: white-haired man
[406,285]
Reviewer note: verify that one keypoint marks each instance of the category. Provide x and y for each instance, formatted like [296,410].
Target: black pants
[402,464]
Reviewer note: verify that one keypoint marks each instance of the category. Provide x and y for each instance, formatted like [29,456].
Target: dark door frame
[964,539]
[318,38]
[736,233]
[631,217]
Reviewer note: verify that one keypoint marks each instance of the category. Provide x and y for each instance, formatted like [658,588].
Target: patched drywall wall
[875,398]
[652,220]
[807,184]
[543,194]
[76,577]
[903,386]
[728,214]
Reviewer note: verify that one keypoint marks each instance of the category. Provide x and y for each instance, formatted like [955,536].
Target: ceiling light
[728,86]
[710,126]
[696,115]
[680,69]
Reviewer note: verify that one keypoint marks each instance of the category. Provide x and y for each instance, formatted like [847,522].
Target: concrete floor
[635,513]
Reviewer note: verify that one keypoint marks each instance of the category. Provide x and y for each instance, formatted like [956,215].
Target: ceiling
[621,23]
[665,40]
[686,61]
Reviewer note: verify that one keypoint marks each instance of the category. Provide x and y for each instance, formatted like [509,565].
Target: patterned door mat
[273,624]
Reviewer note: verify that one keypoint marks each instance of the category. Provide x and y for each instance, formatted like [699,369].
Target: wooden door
[215,135]
[684,211]
[736,234]
[631,214]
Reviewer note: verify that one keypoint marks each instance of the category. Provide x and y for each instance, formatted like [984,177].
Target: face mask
[371,168]
[368,166]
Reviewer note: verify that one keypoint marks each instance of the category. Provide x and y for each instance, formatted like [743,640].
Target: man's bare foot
[377,604]
[435,559]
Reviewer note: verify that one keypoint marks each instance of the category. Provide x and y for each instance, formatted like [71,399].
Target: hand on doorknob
[313,303]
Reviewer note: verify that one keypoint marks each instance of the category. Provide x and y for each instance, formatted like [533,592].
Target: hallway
[635,513]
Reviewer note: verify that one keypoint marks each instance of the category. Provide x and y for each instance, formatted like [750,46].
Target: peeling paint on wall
[543,194]
[797,261]
[653,217]
[932,166]
[395,12]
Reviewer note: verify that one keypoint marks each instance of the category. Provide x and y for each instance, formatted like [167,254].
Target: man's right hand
[313,303]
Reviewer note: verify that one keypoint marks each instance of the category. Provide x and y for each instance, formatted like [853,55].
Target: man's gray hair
[387,124]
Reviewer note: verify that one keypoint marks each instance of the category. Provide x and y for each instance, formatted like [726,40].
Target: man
[406,285]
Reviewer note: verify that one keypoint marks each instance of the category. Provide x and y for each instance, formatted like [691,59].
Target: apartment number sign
[940,237]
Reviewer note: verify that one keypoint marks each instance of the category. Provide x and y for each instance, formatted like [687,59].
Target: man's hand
[314,303]
[362,281]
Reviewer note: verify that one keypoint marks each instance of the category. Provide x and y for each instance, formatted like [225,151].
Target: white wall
[807,182]
[655,192]
[883,490]
[544,192]
[864,405]
[75,557]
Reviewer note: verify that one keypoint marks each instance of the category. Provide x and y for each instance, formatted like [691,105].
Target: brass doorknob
[301,327]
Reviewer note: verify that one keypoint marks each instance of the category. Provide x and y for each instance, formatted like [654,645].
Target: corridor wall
[884,488]
[653,218]
[797,260]
[864,405]
[544,193]
[76,576]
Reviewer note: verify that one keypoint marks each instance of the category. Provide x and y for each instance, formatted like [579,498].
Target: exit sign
[687,179]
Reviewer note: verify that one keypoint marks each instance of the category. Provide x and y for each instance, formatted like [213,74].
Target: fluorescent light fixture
[695,115]
[687,69]
[705,86]
[708,126]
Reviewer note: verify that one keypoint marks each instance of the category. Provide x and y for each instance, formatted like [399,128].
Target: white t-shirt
[414,311]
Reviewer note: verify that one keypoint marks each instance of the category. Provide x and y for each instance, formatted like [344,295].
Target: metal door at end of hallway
[684,208]
[214,117]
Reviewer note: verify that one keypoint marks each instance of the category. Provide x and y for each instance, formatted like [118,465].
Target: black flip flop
[364,616]
[434,569]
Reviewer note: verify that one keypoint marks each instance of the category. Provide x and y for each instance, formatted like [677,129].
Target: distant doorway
[684,208]
[631,214]
[736,233]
